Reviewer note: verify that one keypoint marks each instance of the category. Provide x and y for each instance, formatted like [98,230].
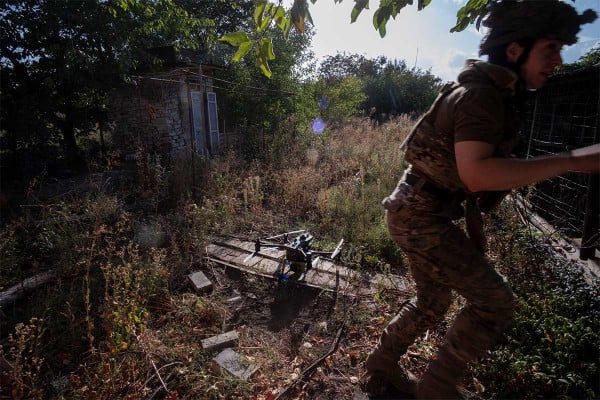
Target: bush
[552,349]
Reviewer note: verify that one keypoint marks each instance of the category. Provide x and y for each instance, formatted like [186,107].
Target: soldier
[460,153]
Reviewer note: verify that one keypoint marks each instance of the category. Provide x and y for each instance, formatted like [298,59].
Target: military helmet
[512,20]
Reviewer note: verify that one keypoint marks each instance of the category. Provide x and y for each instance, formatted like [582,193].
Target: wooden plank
[233,242]
[272,252]
[267,267]
[221,252]
[251,263]
[19,290]
[326,274]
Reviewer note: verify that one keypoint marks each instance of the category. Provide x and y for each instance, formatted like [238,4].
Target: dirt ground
[288,330]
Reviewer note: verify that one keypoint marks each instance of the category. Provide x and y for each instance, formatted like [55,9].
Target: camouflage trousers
[442,259]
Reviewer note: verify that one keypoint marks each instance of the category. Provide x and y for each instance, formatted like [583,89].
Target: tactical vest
[430,151]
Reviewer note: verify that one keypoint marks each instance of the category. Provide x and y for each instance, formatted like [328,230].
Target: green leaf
[423,4]
[266,48]
[264,24]
[359,5]
[264,67]
[471,12]
[258,11]
[242,51]
[278,12]
[263,54]
[287,28]
[263,15]
[235,38]
[380,19]
[269,8]
[285,25]
[263,64]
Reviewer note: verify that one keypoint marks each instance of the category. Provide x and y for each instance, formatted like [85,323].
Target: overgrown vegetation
[553,347]
[120,320]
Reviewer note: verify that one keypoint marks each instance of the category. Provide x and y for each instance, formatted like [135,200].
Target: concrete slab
[200,282]
[235,364]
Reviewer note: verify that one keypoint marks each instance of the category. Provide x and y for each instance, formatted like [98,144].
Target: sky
[420,38]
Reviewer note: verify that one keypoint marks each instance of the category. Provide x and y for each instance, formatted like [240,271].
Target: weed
[25,359]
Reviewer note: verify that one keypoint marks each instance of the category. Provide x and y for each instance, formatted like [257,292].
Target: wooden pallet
[327,275]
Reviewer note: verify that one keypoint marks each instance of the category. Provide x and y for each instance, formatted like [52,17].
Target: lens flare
[318,126]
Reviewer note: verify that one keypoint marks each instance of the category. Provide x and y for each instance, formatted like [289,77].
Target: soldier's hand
[585,159]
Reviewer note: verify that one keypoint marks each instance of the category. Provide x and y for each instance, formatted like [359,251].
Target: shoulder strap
[430,114]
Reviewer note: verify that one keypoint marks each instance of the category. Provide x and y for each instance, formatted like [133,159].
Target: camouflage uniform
[442,258]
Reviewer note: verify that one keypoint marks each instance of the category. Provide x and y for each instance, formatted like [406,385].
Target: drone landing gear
[296,270]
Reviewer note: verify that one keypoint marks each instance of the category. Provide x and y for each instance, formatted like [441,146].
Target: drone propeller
[249,257]
[315,262]
[285,234]
[337,250]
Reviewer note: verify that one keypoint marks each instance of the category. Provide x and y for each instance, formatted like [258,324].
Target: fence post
[591,222]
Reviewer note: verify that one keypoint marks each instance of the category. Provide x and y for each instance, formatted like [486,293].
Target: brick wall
[154,115]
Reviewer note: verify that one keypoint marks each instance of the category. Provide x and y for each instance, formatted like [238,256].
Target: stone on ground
[200,282]
[227,339]
[234,364]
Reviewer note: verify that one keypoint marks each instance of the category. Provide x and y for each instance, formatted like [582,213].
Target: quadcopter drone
[298,256]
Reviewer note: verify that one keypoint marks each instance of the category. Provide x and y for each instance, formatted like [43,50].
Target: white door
[198,126]
[213,121]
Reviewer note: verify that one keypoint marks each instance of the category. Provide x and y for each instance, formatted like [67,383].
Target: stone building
[172,112]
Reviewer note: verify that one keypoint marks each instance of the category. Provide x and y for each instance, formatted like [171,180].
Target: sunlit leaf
[267,48]
[264,67]
[258,11]
[265,23]
[286,29]
[235,38]
[278,13]
[280,18]
[242,51]
[265,53]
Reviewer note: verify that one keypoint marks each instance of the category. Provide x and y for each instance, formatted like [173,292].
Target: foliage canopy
[267,13]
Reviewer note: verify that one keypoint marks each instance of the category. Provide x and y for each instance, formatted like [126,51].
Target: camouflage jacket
[480,106]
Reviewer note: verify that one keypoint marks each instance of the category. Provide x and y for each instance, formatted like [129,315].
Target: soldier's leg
[413,319]
[480,323]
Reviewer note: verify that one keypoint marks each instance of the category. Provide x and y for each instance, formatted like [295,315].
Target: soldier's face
[541,62]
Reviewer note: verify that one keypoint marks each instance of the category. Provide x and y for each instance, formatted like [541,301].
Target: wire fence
[562,116]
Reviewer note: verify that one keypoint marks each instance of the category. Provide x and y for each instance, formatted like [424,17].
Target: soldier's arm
[480,170]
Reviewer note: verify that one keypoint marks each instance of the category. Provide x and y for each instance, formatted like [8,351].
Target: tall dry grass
[118,318]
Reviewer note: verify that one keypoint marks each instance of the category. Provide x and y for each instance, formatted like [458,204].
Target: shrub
[552,349]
